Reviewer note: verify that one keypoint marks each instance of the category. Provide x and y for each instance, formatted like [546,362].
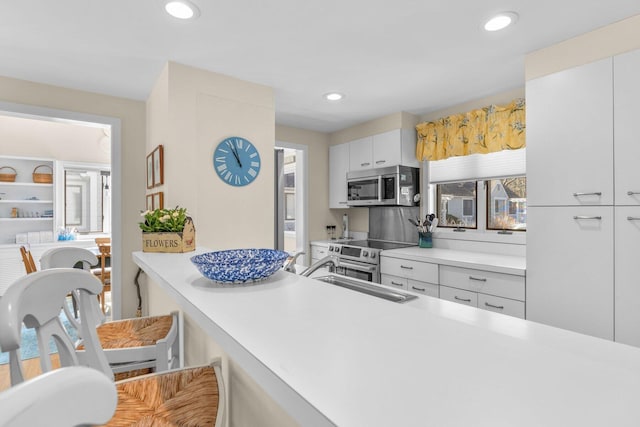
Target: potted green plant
[168,230]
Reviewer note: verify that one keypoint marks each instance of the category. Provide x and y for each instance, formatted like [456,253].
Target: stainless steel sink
[376,291]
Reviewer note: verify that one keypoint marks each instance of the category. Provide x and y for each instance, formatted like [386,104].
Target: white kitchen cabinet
[460,296]
[361,154]
[395,147]
[627,275]
[570,137]
[338,168]
[488,290]
[501,305]
[430,289]
[319,250]
[570,268]
[409,269]
[627,140]
[486,282]
[394,281]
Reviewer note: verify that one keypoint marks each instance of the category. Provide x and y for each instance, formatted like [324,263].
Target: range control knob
[332,248]
[373,254]
[365,253]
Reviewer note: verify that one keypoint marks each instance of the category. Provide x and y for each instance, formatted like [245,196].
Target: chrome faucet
[332,260]
[290,263]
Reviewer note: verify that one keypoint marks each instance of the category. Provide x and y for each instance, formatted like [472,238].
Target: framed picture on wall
[158,166]
[158,200]
[150,171]
[149,204]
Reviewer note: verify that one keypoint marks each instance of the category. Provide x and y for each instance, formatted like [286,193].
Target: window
[507,204]
[457,203]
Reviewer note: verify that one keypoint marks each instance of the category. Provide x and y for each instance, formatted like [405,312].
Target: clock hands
[235,153]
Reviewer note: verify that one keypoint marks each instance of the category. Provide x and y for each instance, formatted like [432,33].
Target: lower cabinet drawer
[319,252]
[393,281]
[501,305]
[459,296]
[422,271]
[423,288]
[486,282]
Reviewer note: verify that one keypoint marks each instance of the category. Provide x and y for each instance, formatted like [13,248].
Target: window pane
[457,204]
[507,204]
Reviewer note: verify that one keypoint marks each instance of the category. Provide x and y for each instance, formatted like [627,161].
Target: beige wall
[189,112]
[611,40]
[132,116]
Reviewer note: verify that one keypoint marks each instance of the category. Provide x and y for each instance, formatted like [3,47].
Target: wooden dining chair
[185,396]
[104,271]
[27,259]
[132,346]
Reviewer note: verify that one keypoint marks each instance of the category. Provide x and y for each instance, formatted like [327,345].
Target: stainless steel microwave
[390,186]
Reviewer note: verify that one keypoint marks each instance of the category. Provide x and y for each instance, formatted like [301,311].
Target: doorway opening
[291,187]
[107,142]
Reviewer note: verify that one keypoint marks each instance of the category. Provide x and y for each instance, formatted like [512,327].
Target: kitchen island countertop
[331,356]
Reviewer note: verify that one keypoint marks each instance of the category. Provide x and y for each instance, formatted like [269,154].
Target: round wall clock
[236,161]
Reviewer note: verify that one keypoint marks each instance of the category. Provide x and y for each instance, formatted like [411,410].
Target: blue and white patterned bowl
[239,265]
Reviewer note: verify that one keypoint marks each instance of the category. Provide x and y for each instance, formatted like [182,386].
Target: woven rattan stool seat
[135,332]
[187,397]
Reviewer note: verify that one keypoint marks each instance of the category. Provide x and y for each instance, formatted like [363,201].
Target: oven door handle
[368,269]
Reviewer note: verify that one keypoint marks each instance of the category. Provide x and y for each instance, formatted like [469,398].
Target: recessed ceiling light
[182,9]
[333,96]
[500,21]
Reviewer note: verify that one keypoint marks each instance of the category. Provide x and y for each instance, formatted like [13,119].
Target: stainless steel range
[389,228]
[361,258]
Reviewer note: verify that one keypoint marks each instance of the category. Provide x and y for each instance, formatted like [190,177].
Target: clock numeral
[221,159]
[252,172]
[252,155]
[222,168]
[246,179]
[255,164]
[228,176]
[239,143]
[237,180]
[224,151]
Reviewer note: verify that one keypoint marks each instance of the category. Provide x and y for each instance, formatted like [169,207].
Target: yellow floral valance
[487,130]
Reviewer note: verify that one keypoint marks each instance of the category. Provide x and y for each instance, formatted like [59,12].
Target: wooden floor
[31,368]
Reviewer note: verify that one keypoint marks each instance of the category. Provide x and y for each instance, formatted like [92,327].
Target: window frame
[507,205]
[438,209]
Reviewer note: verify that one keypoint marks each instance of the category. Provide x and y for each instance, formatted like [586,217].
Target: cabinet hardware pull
[633,218]
[461,299]
[342,203]
[365,164]
[397,284]
[499,307]
[596,193]
[587,217]
[406,267]
[380,161]
[417,289]
[478,279]
[505,232]
[632,193]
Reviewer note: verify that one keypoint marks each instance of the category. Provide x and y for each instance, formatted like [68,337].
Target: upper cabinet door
[387,149]
[361,154]
[570,137]
[627,132]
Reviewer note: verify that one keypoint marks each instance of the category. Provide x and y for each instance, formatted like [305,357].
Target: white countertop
[484,261]
[331,356]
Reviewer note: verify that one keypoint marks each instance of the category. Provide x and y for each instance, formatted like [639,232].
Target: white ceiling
[386,56]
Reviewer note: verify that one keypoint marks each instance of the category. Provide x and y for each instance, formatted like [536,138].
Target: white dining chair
[132,346]
[185,396]
[66,397]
